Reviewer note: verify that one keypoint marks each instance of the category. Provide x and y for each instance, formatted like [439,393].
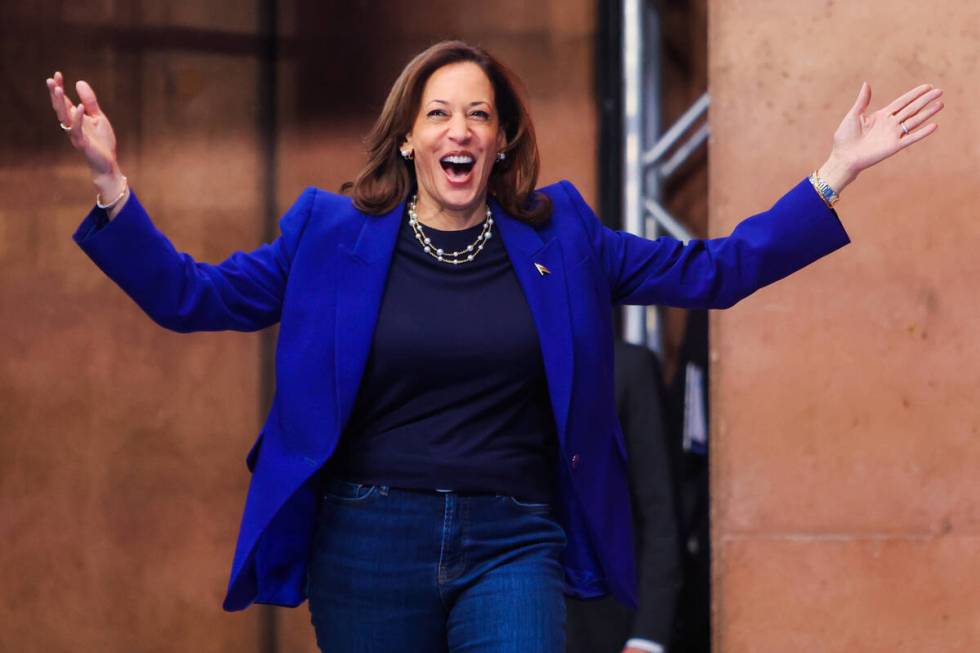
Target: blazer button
[575,460]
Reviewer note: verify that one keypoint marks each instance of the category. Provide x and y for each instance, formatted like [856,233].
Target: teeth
[458,158]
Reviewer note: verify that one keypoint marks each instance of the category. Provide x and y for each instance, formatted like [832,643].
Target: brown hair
[387,179]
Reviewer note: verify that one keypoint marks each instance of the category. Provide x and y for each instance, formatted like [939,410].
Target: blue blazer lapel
[361,276]
[546,292]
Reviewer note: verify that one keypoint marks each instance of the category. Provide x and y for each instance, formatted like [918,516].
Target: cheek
[426,164]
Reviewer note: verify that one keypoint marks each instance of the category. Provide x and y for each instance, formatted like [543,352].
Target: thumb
[87,96]
[863,100]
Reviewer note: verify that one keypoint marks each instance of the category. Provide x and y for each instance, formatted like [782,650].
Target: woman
[442,456]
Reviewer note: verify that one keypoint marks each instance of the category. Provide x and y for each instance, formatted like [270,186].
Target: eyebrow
[472,104]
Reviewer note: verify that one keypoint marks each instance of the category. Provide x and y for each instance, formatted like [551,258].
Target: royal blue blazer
[322,280]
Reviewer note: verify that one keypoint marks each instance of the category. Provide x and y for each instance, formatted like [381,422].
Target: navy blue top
[454,395]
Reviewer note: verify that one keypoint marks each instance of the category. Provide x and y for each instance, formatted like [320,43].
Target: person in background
[687,418]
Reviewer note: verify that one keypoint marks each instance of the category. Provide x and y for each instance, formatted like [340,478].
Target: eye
[436,113]
[481,114]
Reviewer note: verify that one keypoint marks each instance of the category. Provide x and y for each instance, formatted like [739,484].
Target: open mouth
[457,166]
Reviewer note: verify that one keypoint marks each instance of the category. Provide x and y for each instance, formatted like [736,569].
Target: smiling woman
[453,100]
[442,458]
[454,141]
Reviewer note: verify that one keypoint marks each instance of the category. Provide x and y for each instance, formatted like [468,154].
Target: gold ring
[64,126]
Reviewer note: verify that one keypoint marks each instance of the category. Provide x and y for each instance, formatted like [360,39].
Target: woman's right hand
[90,133]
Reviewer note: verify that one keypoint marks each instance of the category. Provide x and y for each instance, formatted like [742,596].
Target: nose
[459,130]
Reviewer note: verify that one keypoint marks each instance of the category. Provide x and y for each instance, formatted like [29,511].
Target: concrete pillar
[846,427]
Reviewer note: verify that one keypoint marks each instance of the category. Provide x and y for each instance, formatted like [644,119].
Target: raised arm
[715,273]
[90,132]
[800,228]
[243,293]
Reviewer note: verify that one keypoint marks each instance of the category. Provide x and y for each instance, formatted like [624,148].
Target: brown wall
[846,427]
[121,471]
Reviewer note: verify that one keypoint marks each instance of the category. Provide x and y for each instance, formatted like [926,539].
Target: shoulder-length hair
[387,179]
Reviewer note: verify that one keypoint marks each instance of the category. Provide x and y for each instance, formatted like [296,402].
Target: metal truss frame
[651,158]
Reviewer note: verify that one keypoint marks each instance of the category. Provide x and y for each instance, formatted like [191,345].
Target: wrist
[837,172]
[110,184]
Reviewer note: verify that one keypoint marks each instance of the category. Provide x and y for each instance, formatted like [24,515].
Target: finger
[919,134]
[923,115]
[862,101]
[914,107]
[74,121]
[59,81]
[87,96]
[899,103]
[62,105]
[59,84]
[77,132]
[55,103]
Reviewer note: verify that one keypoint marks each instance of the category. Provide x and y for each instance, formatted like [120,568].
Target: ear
[501,139]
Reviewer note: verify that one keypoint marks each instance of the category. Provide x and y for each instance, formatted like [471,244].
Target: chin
[459,199]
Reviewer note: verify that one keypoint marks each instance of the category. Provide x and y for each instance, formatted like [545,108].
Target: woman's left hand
[864,139]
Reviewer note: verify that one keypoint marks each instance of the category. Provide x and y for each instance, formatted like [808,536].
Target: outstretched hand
[866,138]
[88,128]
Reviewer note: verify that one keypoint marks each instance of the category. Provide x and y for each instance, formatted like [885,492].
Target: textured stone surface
[843,594]
[121,454]
[846,427]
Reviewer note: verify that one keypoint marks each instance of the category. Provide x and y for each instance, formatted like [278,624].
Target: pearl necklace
[462,256]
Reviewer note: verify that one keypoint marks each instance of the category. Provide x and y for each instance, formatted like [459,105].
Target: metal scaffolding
[650,158]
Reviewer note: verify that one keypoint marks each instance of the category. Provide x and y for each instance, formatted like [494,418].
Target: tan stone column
[846,426]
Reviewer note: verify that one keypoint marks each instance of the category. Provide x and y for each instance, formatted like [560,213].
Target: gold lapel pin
[542,270]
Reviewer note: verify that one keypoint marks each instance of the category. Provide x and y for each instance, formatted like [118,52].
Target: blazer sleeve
[242,293]
[715,273]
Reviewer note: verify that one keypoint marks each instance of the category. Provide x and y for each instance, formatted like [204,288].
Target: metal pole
[634,323]
[652,182]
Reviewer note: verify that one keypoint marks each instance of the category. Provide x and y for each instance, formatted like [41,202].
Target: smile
[458,166]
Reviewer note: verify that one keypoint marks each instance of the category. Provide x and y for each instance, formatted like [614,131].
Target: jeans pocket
[532,507]
[347,492]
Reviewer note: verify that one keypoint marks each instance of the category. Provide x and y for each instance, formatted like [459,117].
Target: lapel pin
[542,270]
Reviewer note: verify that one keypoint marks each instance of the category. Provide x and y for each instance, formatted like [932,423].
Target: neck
[432,214]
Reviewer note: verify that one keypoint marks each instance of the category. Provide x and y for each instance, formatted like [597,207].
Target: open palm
[865,138]
[90,130]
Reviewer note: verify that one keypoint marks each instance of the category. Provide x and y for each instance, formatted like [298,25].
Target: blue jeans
[435,572]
